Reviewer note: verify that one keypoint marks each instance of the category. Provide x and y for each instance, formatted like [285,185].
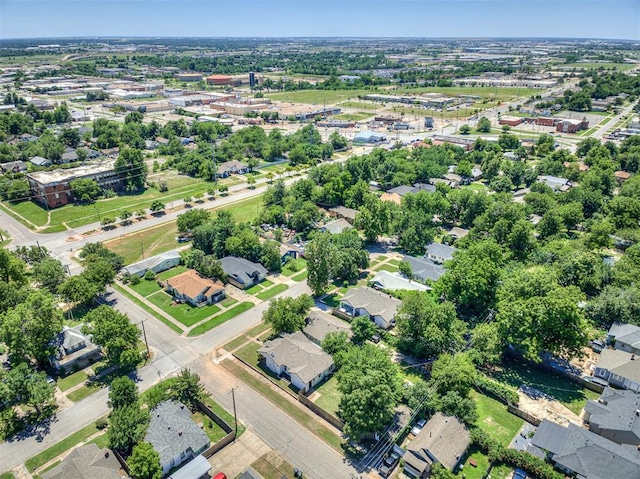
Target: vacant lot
[597,65]
[317,96]
[220,318]
[495,420]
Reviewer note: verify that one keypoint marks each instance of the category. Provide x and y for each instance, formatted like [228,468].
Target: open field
[357,116]
[596,65]
[221,318]
[317,96]
[491,93]
[360,105]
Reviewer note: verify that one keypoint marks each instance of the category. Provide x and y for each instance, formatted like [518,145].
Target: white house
[157,264]
[619,368]
[380,307]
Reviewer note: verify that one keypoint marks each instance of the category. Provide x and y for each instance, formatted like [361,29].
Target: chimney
[106,454]
[633,357]
[180,433]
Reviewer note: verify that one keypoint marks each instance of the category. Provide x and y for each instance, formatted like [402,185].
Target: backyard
[329,396]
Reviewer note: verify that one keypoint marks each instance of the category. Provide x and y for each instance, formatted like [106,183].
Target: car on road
[415,430]
[389,463]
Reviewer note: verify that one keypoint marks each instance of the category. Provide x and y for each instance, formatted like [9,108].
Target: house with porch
[73,350]
[619,369]
[241,272]
[192,288]
[365,301]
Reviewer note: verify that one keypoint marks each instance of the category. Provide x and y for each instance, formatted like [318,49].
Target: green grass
[145,287]
[29,210]
[497,94]
[151,241]
[255,289]
[54,451]
[54,229]
[294,266]
[381,257]
[220,411]
[605,121]
[101,441]
[243,338]
[572,395]
[170,273]
[330,396]
[83,392]
[332,300]
[186,314]
[394,262]
[300,277]
[495,420]
[270,293]
[359,105]
[597,65]
[295,412]
[476,186]
[148,309]
[500,471]
[228,302]
[221,318]
[7,475]
[211,428]
[386,267]
[72,380]
[249,353]
[358,116]
[273,466]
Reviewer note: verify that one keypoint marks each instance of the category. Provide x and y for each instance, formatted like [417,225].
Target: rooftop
[424,269]
[616,411]
[375,302]
[621,363]
[319,324]
[395,281]
[191,284]
[58,176]
[87,462]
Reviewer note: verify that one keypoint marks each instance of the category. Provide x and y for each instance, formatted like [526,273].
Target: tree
[125,216]
[287,315]
[463,408]
[319,253]
[465,129]
[486,345]
[49,274]
[122,392]
[144,462]
[251,181]
[127,427]
[117,336]
[78,290]
[270,256]
[191,219]
[615,304]
[335,342]
[130,164]
[187,388]
[363,329]
[405,269]
[85,189]
[484,125]
[157,206]
[453,373]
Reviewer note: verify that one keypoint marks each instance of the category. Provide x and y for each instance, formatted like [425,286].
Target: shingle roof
[375,302]
[440,250]
[626,334]
[87,462]
[395,281]
[150,263]
[241,269]
[191,284]
[319,324]
[621,363]
[172,431]
[345,212]
[424,269]
[586,453]
[615,410]
[301,356]
[336,226]
[401,190]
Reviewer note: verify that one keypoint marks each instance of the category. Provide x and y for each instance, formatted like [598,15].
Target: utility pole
[144,333]
[235,415]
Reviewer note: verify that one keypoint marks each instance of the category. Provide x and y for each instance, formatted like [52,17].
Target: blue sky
[327,18]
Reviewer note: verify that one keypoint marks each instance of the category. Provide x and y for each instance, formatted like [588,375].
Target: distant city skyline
[606,19]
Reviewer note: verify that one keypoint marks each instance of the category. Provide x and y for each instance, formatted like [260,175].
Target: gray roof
[586,453]
[615,410]
[395,281]
[554,182]
[172,431]
[194,469]
[336,226]
[241,269]
[440,250]
[40,161]
[14,166]
[319,324]
[375,302]
[232,166]
[87,462]
[345,212]
[626,334]
[424,269]
[444,437]
[401,190]
[621,363]
[251,473]
[302,357]
[149,263]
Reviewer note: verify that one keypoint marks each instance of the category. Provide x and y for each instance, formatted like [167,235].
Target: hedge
[503,393]
[496,452]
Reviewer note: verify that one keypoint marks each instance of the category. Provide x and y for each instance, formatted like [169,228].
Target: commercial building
[571,125]
[219,80]
[510,120]
[189,77]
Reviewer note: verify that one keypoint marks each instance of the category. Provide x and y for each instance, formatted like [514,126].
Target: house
[336,226]
[192,288]
[443,439]
[343,212]
[40,161]
[319,324]
[231,167]
[615,416]
[242,272]
[157,264]
[454,179]
[87,462]
[424,269]
[174,435]
[73,349]
[625,337]
[368,137]
[476,173]
[457,232]
[619,368]
[583,454]
[555,183]
[395,281]
[197,468]
[288,252]
[14,167]
[69,157]
[439,253]
[380,307]
[297,358]
[622,176]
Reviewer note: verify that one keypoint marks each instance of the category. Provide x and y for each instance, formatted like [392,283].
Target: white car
[415,430]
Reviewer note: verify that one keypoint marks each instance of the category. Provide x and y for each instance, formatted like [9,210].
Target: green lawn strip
[332,300]
[381,257]
[211,428]
[270,293]
[360,105]
[386,267]
[83,392]
[358,116]
[54,229]
[394,262]
[185,313]
[221,318]
[145,287]
[148,309]
[50,466]
[148,242]
[170,273]
[300,277]
[296,413]
[254,289]
[572,395]
[101,441]
[222,413]
[29,210]
[329,399]
[495,420]
[267,469]
[228,302]
[72,380]
[294,266]
[7,475]
[235,343]
[54,451]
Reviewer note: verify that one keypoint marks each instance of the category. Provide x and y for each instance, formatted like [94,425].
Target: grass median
[296,413]
[221,318]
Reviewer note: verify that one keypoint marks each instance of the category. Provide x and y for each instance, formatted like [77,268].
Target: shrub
[102,423]
[149,275]
[500,391]
[135,279]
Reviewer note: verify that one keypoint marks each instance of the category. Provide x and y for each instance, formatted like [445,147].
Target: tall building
[252,79]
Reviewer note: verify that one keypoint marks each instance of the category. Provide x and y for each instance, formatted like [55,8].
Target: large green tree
[122,392]
[130,164]
[113,331]
[127,427]
[287,315]
[144,462]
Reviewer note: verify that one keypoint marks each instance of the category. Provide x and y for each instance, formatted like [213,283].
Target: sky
[617,19]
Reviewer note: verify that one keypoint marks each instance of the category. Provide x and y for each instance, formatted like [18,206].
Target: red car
[220,475]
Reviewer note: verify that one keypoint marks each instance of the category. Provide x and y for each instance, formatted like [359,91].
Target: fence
[330,418]
[231,434]
[122,462]
[341,314]
[225,441]
[516,411]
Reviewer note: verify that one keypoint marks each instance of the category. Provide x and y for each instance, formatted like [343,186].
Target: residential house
[439,253]
[87,462]
[395,281]
[583,454]
[454,179]
[231,167]
[555,183]
[298,359]
[174,435]
[192,288]
[197,468]
[73,349]
[424,270]
[622,176]
[157,264]
[615,416]
[443,440]
[69,156]
[619,369]
[364,301]
[625,337]
[242,272]
[476,173]
[457,232]
[343,212]
[288,252]
[336,226]
[40,161]
[319,324]
[14,167]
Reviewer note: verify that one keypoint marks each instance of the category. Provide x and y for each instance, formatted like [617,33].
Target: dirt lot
[543,406]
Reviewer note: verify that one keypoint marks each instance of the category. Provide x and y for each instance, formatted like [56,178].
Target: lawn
[360,105]
[145,287]
[294,266]
[596,65]
[214,432]
[300,277]
[496,94]
[270,293]
[317,96]
[572,395]
[482,465]
[221,412]
[243,338]
[83,392]
[170,273]
[9,475]
[228,302]
[54,451]
[329,399]
[249,353]
[221,318]
[101,441]
[358,116]
[386,267]
[72,380]
[272,466]
[495,420]
[186,314]
[332,300]
[29,210]
[148,309]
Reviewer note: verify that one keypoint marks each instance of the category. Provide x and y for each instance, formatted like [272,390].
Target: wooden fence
[327,416]
[516,411]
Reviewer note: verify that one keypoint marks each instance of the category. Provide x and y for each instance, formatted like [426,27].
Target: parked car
[415,430]
[389,463]
[519,474]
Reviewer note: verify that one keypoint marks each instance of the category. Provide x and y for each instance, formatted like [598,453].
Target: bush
[500,391]
[149,275]
[102,423]
[135,279]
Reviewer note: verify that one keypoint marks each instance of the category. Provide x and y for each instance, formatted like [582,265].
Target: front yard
[185,313]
